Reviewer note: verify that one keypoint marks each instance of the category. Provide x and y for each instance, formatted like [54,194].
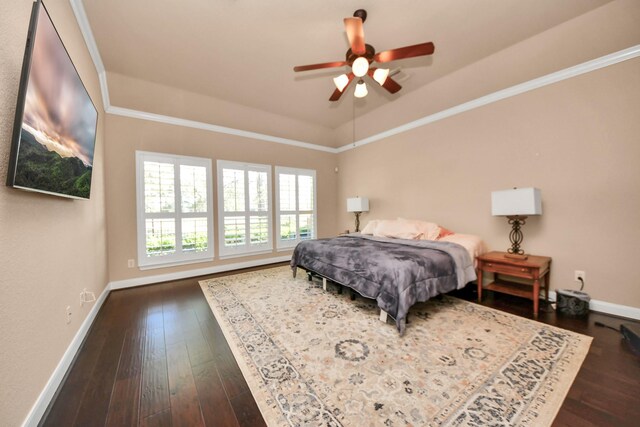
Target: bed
[397,273]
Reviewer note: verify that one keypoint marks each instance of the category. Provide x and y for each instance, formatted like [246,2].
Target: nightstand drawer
[513,270]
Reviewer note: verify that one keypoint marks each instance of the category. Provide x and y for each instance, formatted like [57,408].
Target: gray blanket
[396,273]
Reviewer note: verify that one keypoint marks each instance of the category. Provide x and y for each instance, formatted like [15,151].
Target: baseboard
[157,278]
[608,308]
[40,406]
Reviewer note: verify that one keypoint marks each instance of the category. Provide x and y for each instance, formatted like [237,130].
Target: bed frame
[353,293]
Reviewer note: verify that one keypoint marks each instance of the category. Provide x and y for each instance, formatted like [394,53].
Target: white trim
[608,308]
[247,248]
[567,73]
[104,89]
[142,115]
[55,380]
[179,256]
[174,264]
[290,244]
[40,406]
[147,280]
[90,41]
[245,254]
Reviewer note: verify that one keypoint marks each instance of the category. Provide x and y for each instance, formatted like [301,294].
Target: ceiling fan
[360,56]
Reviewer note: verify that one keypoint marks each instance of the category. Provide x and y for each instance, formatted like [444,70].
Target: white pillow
[370,227]
[429,230]
[397,229]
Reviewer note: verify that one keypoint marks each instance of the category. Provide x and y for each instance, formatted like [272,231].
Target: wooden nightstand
[533,268]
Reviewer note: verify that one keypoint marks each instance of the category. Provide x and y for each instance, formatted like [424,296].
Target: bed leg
[309,276]
[383,316]
[324,283]
[340,289]
[353,295]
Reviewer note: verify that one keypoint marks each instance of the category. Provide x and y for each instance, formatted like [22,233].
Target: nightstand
[535,268]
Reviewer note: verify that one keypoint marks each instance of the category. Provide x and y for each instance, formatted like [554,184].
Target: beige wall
[576,140]
[604,30]
[142,95]
[51,247]
[127,135]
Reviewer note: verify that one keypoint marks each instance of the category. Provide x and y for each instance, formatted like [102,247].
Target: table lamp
[516,205]
[357,205]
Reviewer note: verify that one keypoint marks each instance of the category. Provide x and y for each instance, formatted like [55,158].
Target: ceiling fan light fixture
[380,75]
[361,90]
[341,81]
[360,66]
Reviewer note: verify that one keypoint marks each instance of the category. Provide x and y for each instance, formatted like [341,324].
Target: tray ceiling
[244,51]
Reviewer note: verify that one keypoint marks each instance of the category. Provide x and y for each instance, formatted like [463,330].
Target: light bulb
[341,81]
[361,90]
[380,75]
[360,66]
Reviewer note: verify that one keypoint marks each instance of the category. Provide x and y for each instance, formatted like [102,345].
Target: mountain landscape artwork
[58,130]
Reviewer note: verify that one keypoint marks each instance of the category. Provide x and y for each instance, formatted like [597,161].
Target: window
[174,205]
[296,206]
[244,201]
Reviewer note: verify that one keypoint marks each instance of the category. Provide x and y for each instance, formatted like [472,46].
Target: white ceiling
[244,51]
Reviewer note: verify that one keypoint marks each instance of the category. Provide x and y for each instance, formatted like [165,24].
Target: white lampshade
[357,204]
[341,81]
[519,201]
[360,66]
[361,90]
[380,75]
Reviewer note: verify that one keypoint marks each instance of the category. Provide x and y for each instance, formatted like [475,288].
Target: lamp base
[521,257]
[516,221]
[357,221]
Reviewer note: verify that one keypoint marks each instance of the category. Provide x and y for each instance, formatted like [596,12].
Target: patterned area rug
[313,357]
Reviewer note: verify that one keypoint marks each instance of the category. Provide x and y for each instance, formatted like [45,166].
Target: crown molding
[558,76]
[90,41]
[170,120]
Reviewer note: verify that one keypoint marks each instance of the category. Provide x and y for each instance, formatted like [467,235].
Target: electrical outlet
[68,313]
[131,263]
[579,274]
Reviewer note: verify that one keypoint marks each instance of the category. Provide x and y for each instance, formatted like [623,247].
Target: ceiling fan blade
[405,52]
[389,84]
[355,33]
[337,93]
[319,66]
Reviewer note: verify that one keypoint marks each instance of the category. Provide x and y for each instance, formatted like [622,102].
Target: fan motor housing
[369,54]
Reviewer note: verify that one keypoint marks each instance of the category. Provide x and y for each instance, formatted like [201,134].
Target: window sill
[246,254]
[174,263]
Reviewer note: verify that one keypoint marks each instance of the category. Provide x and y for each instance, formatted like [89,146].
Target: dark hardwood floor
[155,356]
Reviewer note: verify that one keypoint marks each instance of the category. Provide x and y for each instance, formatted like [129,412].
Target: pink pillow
[444,232]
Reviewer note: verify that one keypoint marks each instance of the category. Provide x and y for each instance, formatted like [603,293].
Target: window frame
[283,245]
[178,257]
[248,248]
